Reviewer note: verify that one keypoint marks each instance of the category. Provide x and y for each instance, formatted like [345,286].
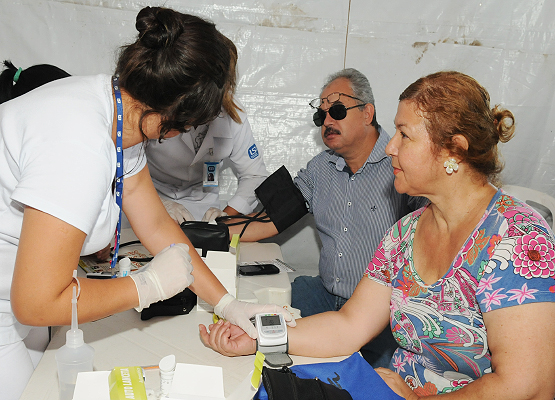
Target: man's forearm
[255,231]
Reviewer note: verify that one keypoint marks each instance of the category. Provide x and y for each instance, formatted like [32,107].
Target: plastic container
[73,357]
[124,267]
[167,369]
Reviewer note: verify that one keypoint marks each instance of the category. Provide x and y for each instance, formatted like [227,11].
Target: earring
[451,165]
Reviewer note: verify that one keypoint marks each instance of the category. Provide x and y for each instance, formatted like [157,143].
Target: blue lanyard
[119,166]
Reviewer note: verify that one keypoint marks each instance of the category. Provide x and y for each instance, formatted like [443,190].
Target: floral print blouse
[508,260]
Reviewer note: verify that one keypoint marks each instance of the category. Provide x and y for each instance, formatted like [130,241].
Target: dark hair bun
[179,67]
[157,27]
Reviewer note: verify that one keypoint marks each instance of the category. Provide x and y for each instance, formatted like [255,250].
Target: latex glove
[212,213]
[178,213]
[239,313]
[168,274]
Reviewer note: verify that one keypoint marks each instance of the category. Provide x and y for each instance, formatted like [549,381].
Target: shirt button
[345,229]
[352,178]
[349,204]
[340,254]
[337,279]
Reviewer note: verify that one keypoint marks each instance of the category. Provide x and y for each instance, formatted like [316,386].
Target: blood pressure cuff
[354,375]
[282,200]
[206,236]
[181,303]
[283,384]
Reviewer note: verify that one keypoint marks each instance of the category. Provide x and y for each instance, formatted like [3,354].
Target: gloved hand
[178,213]
[212,213]
[239,313]
[168,274]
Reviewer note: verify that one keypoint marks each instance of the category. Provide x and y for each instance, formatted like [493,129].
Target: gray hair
[359,85]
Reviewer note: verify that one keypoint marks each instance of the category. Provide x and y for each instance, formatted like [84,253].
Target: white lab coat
[177,172]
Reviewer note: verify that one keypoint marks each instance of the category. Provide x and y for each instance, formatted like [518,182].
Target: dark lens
[319,117]
[338,112]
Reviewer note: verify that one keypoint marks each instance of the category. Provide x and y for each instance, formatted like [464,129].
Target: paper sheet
[197,382]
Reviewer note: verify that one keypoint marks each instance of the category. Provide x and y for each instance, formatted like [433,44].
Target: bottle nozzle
[167,364]
[74,337]
[74,321]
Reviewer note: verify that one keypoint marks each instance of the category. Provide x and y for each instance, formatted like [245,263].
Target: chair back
[534,198]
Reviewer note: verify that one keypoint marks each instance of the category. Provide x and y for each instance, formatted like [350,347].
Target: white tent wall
[286,49]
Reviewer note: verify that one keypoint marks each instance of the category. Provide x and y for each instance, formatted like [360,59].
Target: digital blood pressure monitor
[272,338]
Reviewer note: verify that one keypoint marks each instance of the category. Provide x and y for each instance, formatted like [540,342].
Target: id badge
[210,174]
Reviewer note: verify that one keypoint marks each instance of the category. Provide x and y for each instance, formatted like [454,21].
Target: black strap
[245,219]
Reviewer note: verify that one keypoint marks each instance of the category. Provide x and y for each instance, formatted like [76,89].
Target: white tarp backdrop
[287,48]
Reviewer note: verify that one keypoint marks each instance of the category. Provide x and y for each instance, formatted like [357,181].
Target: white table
[124,340]
[275,289]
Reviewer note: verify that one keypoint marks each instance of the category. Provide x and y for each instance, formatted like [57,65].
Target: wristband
[280,348]
[275,356]
[272,339]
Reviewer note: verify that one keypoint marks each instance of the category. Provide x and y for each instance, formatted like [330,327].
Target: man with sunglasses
[349,190]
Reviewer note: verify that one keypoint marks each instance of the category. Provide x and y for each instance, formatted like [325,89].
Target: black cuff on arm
[282,200]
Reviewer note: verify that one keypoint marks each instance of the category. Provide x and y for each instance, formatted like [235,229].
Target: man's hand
[227,339]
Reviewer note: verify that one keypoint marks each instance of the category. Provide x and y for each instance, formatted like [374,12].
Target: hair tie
[16,76]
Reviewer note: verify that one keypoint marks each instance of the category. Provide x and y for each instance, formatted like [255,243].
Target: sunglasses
[337,111]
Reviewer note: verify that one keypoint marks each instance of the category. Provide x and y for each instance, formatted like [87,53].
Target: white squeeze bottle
[167,369]
[75,356]
[124,267]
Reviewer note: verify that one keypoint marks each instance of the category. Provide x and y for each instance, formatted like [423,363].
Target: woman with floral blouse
[466,283]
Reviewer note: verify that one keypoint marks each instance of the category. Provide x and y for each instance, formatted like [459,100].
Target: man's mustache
[329,130]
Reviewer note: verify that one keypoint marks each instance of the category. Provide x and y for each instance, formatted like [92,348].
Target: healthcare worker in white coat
[186,169]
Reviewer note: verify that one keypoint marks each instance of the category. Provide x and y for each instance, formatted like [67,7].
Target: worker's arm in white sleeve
[247,162]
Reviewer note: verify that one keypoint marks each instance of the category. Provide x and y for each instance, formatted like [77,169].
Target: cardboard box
[127,383]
